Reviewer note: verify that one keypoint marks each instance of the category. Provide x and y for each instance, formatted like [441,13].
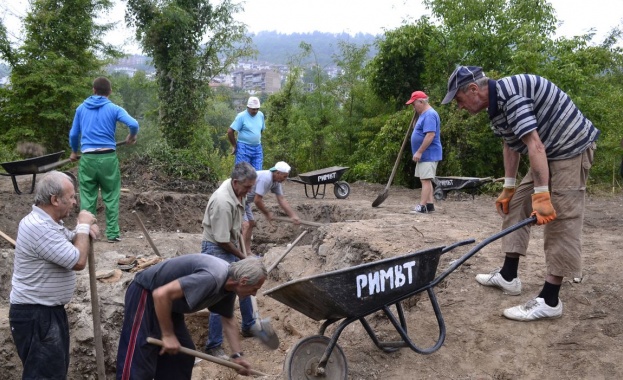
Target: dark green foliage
[190,41]
[52,71]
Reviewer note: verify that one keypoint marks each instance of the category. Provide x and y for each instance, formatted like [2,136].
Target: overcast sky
[353,16]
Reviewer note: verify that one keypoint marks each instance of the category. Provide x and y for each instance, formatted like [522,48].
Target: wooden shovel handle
[211,358]
[313,224]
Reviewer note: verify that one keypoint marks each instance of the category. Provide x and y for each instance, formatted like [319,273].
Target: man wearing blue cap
[534,117]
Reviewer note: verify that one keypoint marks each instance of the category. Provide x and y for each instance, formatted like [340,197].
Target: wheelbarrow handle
[457,263]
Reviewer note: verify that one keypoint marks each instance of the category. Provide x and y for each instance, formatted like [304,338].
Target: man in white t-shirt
[46,257]
[267,181]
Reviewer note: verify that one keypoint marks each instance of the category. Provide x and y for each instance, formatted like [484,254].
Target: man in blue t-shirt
[426,148]
[249,125]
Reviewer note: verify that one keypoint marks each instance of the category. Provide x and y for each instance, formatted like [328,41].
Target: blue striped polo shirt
[520,104]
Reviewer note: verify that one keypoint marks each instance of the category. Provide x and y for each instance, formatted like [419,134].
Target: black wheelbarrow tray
[323,177]
[351,294]
[32,166]
[443,185]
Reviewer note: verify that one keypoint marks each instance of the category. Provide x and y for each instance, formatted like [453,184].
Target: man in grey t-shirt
[267,181]
[158,298]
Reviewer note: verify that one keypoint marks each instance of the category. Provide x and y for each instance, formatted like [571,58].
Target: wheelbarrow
[351,294]
[443,185]
[33,166]
[323,177]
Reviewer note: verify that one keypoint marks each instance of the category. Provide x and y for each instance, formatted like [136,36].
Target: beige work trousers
[563,236]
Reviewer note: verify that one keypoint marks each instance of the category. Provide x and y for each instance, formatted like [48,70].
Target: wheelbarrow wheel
[341,189]
[439,194]
[302,360]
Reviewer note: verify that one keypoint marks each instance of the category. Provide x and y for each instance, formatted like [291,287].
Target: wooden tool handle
[308,223]
[211,358]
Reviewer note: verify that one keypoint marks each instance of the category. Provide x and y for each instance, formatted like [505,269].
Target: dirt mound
[479,342]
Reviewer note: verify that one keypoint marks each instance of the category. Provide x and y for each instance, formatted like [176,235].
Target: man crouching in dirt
[267,181]
[158,298]
[46,257]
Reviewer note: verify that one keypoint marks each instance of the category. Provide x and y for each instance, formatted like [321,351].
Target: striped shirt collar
[493,99]
[46,217]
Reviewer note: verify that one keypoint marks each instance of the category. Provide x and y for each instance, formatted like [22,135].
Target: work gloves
[542,208]
[501,204]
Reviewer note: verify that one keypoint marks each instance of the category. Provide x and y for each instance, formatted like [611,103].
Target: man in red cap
[426,148]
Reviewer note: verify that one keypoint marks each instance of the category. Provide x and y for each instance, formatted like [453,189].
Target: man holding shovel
[426,148]
[47,255]
[93,132]
[267,181]
[222,223]
[158,298]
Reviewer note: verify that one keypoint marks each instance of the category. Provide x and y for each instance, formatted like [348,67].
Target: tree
[190,41]
[399,67]
[53,70]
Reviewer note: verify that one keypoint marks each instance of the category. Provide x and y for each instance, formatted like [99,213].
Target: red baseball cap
[417,95]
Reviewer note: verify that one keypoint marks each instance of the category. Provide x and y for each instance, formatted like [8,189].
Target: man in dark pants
[158,298]
[46,257]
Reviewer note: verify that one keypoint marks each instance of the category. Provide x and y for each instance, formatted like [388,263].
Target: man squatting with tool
[47,255]
[158,298]
[534,117]
[267,180]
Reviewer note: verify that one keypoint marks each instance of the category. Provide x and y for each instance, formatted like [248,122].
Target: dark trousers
[41,335]
[139,360]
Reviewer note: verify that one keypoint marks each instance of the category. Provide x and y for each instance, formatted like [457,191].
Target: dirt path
[585,343]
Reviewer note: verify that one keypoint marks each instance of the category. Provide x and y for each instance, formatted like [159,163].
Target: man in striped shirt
[534,117]
[46,256]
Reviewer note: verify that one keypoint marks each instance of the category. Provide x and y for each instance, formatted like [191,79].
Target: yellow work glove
[542,207]
[501,204]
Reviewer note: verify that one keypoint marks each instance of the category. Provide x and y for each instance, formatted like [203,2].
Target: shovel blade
[265,333]
[380,198]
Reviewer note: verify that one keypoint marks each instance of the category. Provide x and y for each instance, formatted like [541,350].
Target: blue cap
[461,76]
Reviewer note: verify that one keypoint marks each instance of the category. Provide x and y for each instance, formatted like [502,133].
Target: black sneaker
[420,209]
[246,333]
[114,240]
[430,207]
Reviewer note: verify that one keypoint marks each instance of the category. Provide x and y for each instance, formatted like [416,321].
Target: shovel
[261,329]
[381,197]
[211,358]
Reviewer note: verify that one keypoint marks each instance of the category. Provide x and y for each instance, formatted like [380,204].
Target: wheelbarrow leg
[16,186]
[320,371]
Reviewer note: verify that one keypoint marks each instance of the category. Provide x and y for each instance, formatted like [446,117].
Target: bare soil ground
[585,343]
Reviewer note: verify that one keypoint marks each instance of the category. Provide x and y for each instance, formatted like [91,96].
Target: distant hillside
[277,47]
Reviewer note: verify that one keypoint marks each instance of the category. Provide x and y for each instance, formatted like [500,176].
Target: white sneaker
[512,288]
[533,310]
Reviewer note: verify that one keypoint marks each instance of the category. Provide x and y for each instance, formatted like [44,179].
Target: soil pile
[480,344]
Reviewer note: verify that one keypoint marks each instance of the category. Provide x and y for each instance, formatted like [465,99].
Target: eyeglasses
[254,109]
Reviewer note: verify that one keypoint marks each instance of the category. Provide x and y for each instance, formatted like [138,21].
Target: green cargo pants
[101,172]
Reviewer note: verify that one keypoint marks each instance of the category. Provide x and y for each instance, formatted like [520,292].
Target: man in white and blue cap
[267,181]
[535,118]
[245,135]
